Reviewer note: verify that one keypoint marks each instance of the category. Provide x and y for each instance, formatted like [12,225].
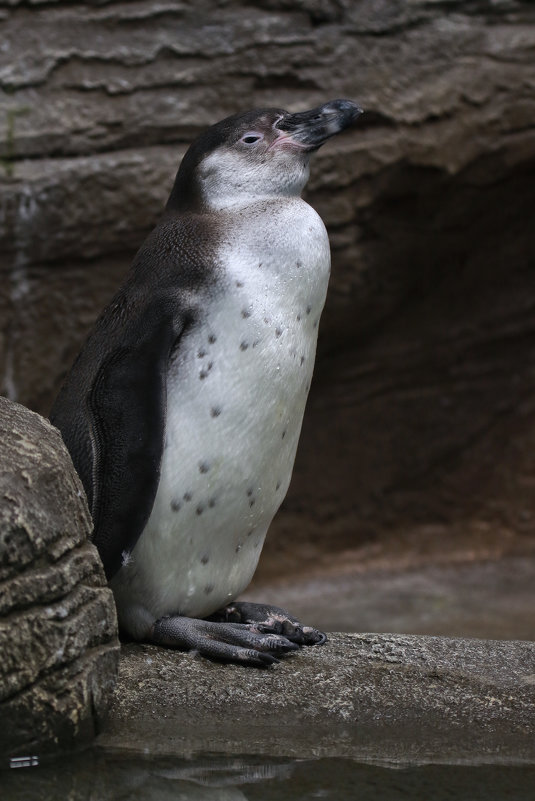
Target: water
[108,776]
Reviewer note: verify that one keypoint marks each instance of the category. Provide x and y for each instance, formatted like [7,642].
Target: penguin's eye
[251,137]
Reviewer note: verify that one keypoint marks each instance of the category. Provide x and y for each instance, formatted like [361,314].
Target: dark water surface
[110,777]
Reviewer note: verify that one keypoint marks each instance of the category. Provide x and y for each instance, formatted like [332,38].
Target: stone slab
[366,696]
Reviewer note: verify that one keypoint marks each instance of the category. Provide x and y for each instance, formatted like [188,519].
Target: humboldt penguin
[183,410]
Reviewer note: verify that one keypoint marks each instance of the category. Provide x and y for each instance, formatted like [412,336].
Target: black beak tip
[349,110]
[314,127]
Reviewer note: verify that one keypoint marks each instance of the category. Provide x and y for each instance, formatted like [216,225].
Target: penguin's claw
[270,620]
[245,644]
[314,636]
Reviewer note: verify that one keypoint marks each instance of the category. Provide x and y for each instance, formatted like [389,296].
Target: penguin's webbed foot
[272,620]
[223,641]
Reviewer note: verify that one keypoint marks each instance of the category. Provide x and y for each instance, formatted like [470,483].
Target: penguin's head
[259,154]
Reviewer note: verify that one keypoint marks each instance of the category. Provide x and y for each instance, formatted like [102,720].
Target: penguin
[183,410]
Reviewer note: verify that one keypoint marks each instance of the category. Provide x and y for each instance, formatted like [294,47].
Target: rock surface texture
[422,413]
[58,628]
[380,696]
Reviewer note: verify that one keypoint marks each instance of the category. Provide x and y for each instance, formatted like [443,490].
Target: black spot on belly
[176,506]
[205,559]
[215,411]
[212,338]
[204,467]
[298,264]
[283,434]
[239,283]
[302,359]
[298,317]
[309,309]
[200,509]
[244,345]
[201,353]
[278,332]
[187,496]
[249,492]
[277,487]
[205,370]
[245,313]
[211,503]
[208,589]
[250,532]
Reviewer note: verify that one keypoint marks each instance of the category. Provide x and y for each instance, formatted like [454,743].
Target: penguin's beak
[310,129]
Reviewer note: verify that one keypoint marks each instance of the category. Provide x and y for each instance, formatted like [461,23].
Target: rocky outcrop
[422,410]
[58,628]
[386,697]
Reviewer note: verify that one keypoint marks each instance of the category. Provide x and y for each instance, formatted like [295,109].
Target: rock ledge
[380,696]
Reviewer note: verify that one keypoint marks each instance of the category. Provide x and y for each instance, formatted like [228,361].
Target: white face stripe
[231,176]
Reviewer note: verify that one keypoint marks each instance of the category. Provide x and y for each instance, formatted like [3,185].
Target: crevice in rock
[81,665]
[79,565]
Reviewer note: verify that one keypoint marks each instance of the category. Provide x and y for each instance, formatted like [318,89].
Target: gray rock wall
[58,627]
[422,413]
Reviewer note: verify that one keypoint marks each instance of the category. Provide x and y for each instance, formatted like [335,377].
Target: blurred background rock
[418,444]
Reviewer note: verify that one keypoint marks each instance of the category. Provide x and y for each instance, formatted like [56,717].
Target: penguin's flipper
[270,619]
[224,642]
[127,404]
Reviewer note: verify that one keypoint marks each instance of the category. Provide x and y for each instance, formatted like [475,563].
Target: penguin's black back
[111,407]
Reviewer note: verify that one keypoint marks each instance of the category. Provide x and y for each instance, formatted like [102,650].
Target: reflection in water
[118,777]
[223,772]
[24,762]
[113,777]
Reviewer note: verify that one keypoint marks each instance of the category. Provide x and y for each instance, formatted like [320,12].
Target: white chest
[236,396]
